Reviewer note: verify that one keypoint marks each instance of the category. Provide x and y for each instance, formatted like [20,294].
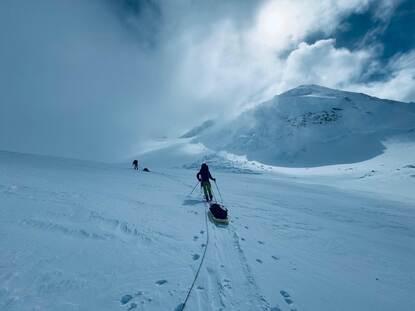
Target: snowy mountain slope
[198,129]
[312,126]
[91,236]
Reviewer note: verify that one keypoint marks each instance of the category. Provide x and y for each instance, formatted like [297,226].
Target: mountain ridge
[312,125]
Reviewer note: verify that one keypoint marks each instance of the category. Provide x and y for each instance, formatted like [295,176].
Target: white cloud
[231,66]
[386,8]
[281,24]
[238,67]
[321,63]
[400,85]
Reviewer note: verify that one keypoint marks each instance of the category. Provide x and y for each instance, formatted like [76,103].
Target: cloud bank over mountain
[93,79]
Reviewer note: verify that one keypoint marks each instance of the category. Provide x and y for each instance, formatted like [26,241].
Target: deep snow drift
[91,236]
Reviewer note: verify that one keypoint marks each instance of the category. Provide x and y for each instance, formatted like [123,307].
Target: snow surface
[91,236]
[330,225]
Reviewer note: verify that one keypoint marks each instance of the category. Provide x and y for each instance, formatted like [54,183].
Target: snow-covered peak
[318,91]
[308,89]
[307,126]
[313,125]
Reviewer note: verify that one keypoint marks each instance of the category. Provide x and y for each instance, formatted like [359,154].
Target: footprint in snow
[201,231]
[275,258]
[288,300]
[195,238]
[132,306]
[125,299]
[243,239]
[261,242]
[227,284]
[246,227]
[259,260]
[203,245]
[161,282]
[196,256]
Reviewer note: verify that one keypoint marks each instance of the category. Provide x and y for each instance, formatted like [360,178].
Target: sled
[218,214]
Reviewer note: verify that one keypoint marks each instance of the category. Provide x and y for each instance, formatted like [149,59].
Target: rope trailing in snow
[183,305]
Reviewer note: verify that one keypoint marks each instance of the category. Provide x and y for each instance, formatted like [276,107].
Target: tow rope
[183,305]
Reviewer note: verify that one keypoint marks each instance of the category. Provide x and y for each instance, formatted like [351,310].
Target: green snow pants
[207,189]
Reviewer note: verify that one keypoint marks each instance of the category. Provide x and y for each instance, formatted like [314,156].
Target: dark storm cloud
[92,78]
[143,18]
[71,79]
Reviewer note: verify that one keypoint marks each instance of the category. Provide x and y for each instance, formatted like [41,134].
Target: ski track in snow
[220,287]
[259,298]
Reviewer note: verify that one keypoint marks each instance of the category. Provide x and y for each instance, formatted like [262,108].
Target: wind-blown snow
[199,129]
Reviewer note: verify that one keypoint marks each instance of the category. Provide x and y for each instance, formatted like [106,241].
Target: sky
[95,79]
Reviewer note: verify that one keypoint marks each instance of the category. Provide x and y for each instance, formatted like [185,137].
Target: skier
[203,177]
[135,164]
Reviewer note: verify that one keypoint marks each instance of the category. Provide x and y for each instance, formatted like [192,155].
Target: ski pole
[218,191]
[194,188]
